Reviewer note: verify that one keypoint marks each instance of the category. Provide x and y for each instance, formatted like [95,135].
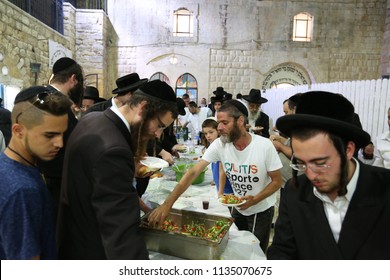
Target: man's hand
[249,202]
[158,215]
[166,156]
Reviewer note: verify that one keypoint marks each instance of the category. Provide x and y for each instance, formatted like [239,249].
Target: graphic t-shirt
[247,170]
[26,213]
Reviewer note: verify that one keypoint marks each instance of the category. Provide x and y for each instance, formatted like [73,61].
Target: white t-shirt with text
[247,170]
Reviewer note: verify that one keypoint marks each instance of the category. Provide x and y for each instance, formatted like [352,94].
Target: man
[39,121]
[382,147]
[183,118]
[99,212]
[216,103]
[252,166]
[366,154]
[5,123]
[91,97]
[196,117]
[126,85]
[282,144]
[258,121]
[68,79]
[340,208]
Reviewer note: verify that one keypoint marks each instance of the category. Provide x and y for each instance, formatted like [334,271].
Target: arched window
[187,83]
[183,25]
[160,76]
[303,28]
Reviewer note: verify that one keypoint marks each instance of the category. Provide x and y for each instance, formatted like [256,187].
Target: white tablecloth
[242,245]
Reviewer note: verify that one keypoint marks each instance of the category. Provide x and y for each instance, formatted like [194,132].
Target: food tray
[184,246]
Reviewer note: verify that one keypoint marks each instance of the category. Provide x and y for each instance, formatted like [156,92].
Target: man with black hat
[39,121]
[252,166]
[67,78]
[126,85]
[99,213]
[258,121]
[91,96]
[340,207]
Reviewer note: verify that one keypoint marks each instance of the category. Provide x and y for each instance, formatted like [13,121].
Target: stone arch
[286,73]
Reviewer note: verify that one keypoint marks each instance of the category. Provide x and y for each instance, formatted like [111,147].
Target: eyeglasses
[316,168]
[41,98]
[161,125]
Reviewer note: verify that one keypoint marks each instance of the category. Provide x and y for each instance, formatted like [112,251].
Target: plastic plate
[227,204]
[154,162]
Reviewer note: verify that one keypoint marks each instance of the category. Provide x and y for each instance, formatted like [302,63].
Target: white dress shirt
[382,151]
[335,210]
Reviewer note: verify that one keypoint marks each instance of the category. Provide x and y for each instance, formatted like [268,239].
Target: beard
[368,156]
[232,136]
[254,116]
[76,94]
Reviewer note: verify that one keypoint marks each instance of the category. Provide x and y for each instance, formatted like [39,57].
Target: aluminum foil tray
[183,246]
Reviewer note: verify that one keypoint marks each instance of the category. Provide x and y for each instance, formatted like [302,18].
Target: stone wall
[24,40]
[87,34]
[237,44]
[385,55]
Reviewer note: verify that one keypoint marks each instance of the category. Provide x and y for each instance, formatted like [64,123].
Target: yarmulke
[62,64]
[241,107]
[160,90]
[30,92]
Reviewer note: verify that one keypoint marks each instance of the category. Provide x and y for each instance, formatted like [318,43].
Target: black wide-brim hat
[92,93]
[327,111]
[219,92]
[127,83]
[255,97]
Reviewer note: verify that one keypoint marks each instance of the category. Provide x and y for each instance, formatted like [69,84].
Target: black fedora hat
[158,89]
[92,93]
[219,91]
[255,97]
[327,111]
[128,83]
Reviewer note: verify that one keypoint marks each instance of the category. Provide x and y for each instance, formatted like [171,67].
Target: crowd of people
[71,184]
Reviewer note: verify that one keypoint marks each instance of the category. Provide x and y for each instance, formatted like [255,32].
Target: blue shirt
[215,169]
[26,215]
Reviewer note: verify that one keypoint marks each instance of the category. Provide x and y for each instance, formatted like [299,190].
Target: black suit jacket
[99,213]
[263,120]
[302,230]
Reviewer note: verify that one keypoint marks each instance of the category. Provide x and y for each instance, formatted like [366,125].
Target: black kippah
[30,92]
[62,64]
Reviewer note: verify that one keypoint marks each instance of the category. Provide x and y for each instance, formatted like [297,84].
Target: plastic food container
[181,168]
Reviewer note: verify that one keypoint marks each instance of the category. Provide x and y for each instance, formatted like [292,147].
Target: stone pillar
[385,55]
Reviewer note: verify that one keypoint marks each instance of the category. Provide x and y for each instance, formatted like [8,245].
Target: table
[242,245]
